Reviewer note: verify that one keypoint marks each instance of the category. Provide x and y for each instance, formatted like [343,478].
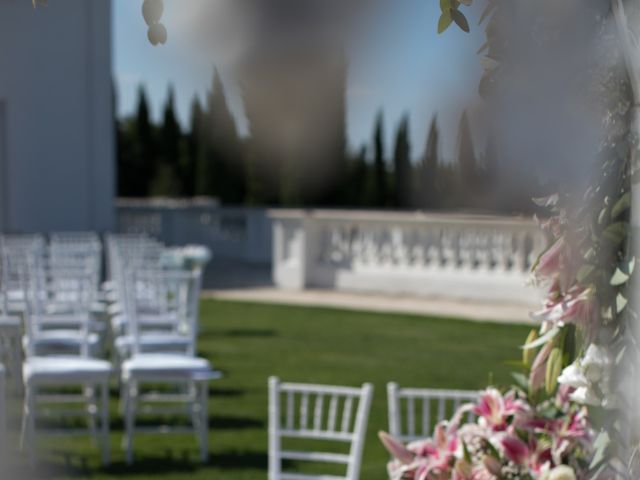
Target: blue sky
[400,65]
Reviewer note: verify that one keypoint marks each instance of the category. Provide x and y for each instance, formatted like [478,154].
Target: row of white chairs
[339,415]
[54,289]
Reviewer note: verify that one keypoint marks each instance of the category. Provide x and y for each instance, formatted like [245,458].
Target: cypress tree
[220,172]
[360,179]
[167,177]
[402,166]
[195,148]
[144,161]
[380,193]
[429,182]
[467,165]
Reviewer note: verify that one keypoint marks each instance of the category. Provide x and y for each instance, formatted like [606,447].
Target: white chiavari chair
[62,385]
[10,328]
[414,412]
[60,312]
[19,251]
[174,326]
[185,378]
[328,413]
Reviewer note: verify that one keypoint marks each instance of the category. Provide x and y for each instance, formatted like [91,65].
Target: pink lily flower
[558,264]
[495,409]
[577,306]
[552,260]
[426,459]
[396,448]
[531,455]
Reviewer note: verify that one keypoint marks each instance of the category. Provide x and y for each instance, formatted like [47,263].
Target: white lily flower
[573,377]
[611,401]
[562,472]
[585,396]
[596,362]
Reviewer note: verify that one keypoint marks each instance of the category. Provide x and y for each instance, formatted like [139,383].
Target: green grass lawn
[251,342]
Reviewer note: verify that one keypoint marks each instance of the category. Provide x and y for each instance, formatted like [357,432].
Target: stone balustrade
[474,257]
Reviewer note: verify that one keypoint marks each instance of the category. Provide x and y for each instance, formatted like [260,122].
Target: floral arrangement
[511,439]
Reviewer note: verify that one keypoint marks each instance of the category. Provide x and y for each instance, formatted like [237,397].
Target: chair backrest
[414,412]
[317,412]
[18,251]
[175,293]
[69,294]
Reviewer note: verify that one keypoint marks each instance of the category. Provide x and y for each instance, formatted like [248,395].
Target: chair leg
[28,437]
[3,419]
[104,421]
[129,419]
[16,360]
[203,420]
[88,391]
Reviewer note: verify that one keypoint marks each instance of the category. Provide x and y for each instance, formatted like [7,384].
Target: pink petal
[396,448]
[515,449]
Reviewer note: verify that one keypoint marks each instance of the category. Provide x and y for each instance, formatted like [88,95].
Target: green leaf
[460,19]
[619,278]
[615,233]
[445,5]
[543,339]
[627,267]
[600,446]
[519,364]
[521,380]
[621,302]
[623,203]
[467,455]
[603,216]
[444,22]
[585,272]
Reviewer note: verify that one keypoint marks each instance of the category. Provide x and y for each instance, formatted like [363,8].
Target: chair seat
[149,320]
[68,322]
[163,365]
[152,340]
[62,308]
[59,339]
[65,369]
[11,322]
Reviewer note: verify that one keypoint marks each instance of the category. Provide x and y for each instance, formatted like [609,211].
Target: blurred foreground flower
[511,439]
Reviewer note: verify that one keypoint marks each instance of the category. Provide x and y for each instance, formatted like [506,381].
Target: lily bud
[554,369]
[529,354]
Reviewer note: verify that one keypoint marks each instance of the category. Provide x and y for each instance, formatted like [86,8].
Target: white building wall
[57,166]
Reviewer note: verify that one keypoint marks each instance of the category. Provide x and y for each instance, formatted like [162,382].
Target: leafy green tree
[403,191]
[380,188]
